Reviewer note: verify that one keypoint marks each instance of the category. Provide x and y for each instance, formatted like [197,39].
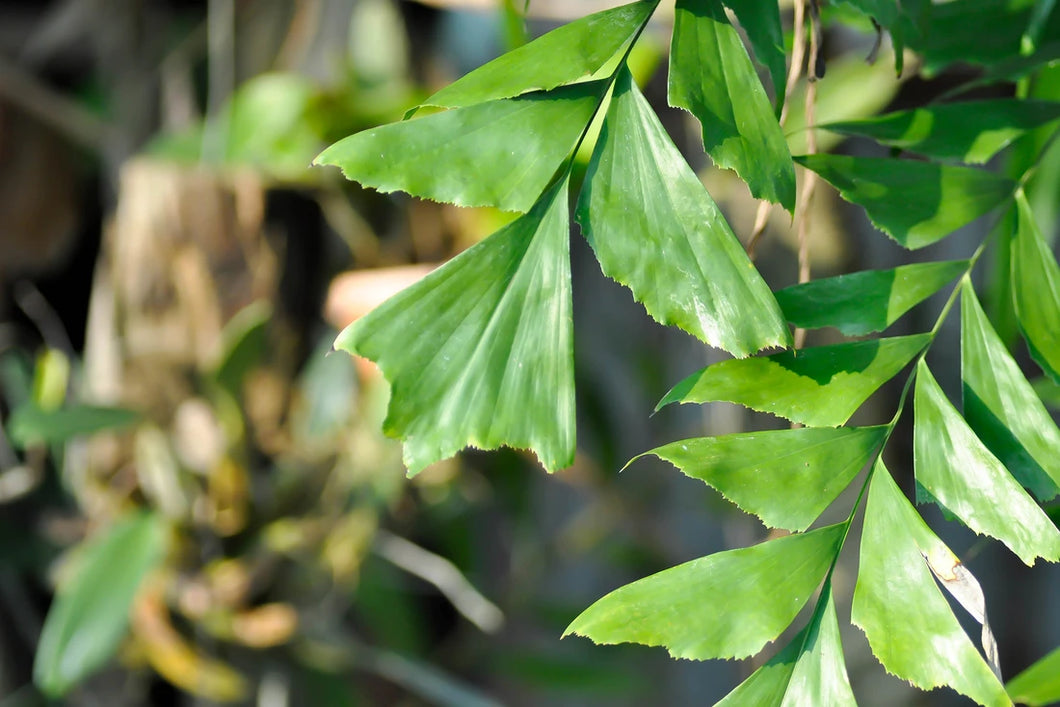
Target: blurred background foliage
[196,503]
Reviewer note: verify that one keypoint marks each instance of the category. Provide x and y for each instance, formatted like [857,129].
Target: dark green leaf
[712,77]
[479,352]
[957,469]
[1002,408]
[973,131]
[726,605]
[889,15]
[905,616]
[564,55]
[820,387]
[90,614]
[650,221]
[765,472]
[915,203]
[1038,685]
[31,425]
[761,20]
[864,302]
[1036,25]
[502,153]
[1036,285]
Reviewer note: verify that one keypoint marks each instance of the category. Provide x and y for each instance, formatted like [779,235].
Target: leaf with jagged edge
[955,467]
[502,153]
[713,78]
[785,477]
[725,605]
[907,620]
[1036,291]
[479,353]
[760,19]
[915,203]
[808,671]
[868,301]
[1002,408]
[820,386]
[650,221]
[565,55]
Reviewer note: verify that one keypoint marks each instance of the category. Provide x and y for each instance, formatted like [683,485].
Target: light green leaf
[712,77]
[1002,408]
[956,468]
[650,221]
[1036,291]
[502,153]
[785,477]
[915,203]
[1038,685]
[90,614]
[904,615]
[864,302]
[479,352]
[972,131]
[726,605]
[29,424]
[820,386]
[809,671]
[564,55]
[760,19]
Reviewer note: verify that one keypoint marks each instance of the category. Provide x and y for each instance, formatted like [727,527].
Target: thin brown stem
[809,181]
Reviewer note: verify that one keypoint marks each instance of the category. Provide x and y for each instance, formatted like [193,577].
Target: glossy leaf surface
[90,614]
[761,472]
[956,468]
[29,424]
[864,302]
[469,156]
[820,386]
[1002,408]
[1038,685]
[971,131]
[650,221]
[564,55]
[915,203]
[898,605]
[478,353]
[726,605]
[1036,291]
[760,19]
[712,77]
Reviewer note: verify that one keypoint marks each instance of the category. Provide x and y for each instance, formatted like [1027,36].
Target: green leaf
[479,352]
[760,19]
[904,615]
[650,221]
[90,614]
[502,153]
[1002,408]
[972,131]
[820,386]
[915,203]
[29,424]
[785,477]
[892,16]
[808,671]
[864,302]
[955,467]
[566,54]
[726,605]
[1036,291]
[712,77]
[1038,685]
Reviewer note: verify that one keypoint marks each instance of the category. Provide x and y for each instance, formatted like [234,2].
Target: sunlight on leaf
[898,605]
[954,466]
[915,203]
[726,605]
[760,19]
[1038,685]
[785,477]
[1036,291]
[649,220]
[479,352]
[868,301]
[712,77]
[1002,408]
[820,386]
[468,156]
